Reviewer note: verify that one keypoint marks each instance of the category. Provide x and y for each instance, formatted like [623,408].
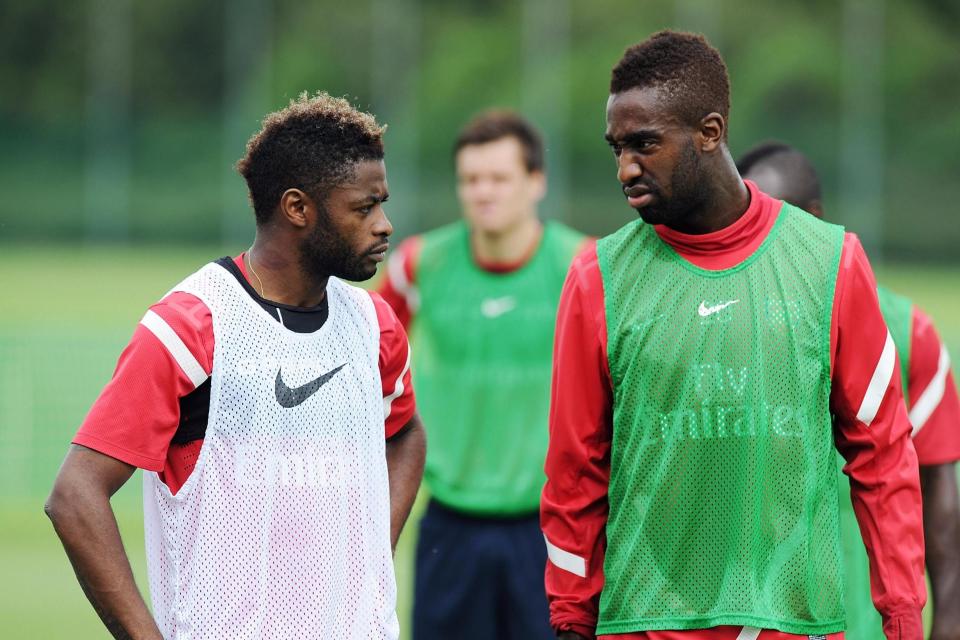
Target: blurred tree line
[120,120]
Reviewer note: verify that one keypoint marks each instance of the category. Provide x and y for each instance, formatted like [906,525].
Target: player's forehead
[365,177]
[502,154]
[636,109]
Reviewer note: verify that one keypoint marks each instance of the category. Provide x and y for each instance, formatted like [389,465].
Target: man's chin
[651,215]
[358,273]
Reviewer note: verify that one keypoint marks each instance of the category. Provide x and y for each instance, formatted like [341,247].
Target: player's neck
[509,246]
[278,277]
[727,200]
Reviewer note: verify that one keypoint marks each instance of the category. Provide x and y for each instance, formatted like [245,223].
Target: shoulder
[386,317]
[891,298]
[443,238]
[564,241]
[445,233]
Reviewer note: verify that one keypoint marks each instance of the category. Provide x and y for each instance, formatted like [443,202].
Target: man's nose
[382,226]
[628,169]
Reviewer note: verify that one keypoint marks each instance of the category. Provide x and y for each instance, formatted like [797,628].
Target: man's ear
[539,184]
[712,128]
[297,208]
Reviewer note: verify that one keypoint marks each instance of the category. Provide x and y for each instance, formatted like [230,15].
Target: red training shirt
[881,460]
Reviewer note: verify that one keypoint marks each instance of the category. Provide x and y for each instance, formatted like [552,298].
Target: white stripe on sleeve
[566,560]
[878,383]
[169,338]
[749,633]
[930,399]
[397,388]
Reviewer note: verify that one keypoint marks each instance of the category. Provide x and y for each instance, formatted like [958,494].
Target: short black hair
[683,65]
[801,177]
[496,124]
[313,144]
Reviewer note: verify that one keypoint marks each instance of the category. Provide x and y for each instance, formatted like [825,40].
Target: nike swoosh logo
[705,311]
[289,398]
[494,307]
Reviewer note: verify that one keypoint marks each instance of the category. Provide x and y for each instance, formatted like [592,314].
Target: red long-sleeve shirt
[934,407]
[871,431]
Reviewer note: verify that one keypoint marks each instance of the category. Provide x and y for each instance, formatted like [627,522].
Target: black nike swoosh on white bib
[289,398]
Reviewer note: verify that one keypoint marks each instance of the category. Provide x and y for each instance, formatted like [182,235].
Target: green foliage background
[195,94]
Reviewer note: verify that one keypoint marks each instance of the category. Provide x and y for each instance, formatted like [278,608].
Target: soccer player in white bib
[269,404]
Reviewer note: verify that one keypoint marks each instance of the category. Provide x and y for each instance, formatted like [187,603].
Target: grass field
[66,315]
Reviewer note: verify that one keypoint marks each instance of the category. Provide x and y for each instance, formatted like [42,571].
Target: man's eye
[617,149]
[367,209]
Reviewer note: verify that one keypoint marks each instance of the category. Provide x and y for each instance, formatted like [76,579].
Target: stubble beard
[325,253]
[689,192]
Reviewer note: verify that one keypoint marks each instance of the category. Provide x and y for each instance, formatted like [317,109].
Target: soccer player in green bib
[710,358]
[480,299]
[933,408]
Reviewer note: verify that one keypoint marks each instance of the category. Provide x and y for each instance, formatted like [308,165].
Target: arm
[79,507]
[941,505]
[406,452]
[130,425]
[574,508]
[873,434]
[935,416]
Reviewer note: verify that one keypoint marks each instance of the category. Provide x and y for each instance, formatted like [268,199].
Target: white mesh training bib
[283,528]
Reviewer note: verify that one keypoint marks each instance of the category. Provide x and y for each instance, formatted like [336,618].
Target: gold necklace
[250,266]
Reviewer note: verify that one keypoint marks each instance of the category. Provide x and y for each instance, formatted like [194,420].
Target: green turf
[66,315]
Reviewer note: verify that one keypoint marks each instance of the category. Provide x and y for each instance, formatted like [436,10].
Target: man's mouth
[638,196]
[379,252]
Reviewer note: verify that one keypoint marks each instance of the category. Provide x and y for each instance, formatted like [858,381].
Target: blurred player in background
[480,296]
[270,407]
[933,408]
[701,354]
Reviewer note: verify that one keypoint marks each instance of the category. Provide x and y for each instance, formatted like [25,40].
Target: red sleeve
[573,512]
[873,434]
[399,403]
[137,413]
[934,405]
[399,287]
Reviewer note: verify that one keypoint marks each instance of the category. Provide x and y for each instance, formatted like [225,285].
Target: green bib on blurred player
[723,485]
[482,349]
[863,621]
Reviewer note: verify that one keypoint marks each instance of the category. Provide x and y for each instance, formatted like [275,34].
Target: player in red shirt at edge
[269,405]
[933,407]
[707,359]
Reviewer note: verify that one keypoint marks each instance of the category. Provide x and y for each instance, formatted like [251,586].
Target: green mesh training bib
[723,485]
[482,348]
[863,621]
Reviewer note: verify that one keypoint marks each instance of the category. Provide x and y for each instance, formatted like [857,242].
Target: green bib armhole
[897,311]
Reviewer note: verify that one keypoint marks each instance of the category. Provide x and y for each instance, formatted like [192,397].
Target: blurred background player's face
[658,166]
[496,191]
[350,235]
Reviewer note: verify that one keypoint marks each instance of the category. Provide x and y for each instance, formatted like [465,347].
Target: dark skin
[671,172]
[938,483]
[941,534]
[351,224]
